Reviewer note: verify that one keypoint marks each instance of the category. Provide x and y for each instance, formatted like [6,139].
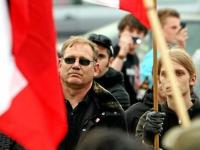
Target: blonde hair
[181,57]
[79,39]
[163,14]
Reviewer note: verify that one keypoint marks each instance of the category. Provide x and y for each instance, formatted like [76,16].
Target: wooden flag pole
[155,70]
[157,31]
[155,82]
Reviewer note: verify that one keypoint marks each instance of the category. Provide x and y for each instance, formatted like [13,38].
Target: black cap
[103,41]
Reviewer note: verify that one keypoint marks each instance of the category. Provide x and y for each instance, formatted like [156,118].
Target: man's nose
[76,64]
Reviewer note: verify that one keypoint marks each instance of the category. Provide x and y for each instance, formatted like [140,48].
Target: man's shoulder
[104,98]
[114,77]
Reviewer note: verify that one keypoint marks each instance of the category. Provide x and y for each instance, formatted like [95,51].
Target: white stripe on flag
[11,80]
[109,3]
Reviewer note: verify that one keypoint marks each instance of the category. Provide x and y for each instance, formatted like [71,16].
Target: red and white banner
[135,7]
[32,110]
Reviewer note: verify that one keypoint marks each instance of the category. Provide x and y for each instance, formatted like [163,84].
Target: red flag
[35,115]
[135,7]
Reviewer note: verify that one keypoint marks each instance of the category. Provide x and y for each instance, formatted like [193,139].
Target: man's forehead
[101,48]
[133,29]
[79,47]
[171,20]
[79,44]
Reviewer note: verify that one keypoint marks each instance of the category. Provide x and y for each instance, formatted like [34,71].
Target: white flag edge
[11,79]
[109,3]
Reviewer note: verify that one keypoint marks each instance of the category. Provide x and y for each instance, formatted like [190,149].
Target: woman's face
[182,76]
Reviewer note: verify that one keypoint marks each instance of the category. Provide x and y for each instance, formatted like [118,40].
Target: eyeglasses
[82,61]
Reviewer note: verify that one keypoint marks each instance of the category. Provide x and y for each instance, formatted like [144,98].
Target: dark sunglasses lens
[70,60]
[84,62]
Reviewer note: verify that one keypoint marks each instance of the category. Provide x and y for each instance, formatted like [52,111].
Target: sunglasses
[82,61]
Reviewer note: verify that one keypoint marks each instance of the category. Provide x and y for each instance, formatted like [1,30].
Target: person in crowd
[196,60]
[104,139]
[134,112]
[108,77]
[88,105]
[131,33]
[152,122]
[175,33]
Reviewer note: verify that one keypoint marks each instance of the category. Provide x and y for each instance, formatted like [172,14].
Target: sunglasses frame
[81,61]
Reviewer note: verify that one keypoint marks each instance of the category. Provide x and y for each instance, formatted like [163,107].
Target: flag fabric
[32,109]
[135,7]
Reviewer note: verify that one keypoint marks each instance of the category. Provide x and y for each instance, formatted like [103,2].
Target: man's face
[171,26]
[75,74]
[129,33]
[183,79]
[103,60]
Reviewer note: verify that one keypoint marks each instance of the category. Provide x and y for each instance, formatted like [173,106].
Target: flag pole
[155,70]
[155,81]
[157,31]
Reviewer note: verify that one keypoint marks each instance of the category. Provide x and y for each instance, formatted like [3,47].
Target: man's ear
[193,80]
[111,60]
[59,64]
[96,69]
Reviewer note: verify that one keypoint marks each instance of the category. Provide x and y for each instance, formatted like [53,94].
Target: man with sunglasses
[108,77]
[88,104]
[131,33]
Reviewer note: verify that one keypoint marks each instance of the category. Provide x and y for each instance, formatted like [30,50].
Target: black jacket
[130,62]
[103,111]
[113,81]
[134,112]
[7,143]
[171,118]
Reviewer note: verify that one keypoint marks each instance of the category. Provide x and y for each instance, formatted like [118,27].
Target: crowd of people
[100,84]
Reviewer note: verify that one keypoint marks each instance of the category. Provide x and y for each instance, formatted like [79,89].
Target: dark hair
[109,139]
[102,40]
[130,21]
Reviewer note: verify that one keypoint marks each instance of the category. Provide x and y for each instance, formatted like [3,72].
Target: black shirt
[98,109]
[75,118]
[128,70]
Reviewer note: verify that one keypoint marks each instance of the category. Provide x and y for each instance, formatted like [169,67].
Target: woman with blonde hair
[152,122]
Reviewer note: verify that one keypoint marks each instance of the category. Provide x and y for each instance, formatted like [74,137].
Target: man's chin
[132,51]
[75,85]
[74,81]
